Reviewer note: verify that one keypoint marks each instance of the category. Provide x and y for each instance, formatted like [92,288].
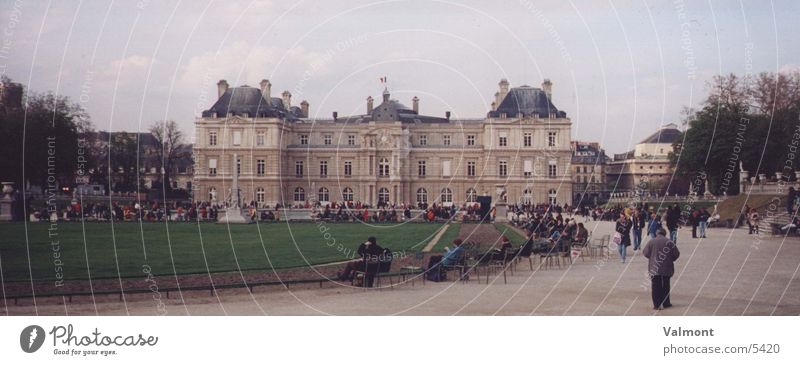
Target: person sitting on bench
[367,251]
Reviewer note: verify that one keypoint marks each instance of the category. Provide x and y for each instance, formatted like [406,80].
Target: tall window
[421,168]
[261,138]
[299,194]
[502,168]
[383,195]
[327,139]
[447,196]
[446,172]
[552,196]
[212,138]
[348,168]
[472,195]
[446,140]
[261,167]
[551,139]
[503,141]
[347,194]
[552,169]
[527,170]
[323,169]
[298,169]
[212,167]
[527,196]
[423,140]
[237,138]
[351,140]
[422,196]
[471,140]
[323,195]
[383,167]
[470,168]
[212,194]
[260,196]
[527,139]
[238,166]
[304,139]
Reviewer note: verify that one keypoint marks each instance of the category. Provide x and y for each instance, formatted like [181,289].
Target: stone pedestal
[501,212]
[6,202]
[233,215]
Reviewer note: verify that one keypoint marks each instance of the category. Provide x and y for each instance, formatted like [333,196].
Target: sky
[620,69]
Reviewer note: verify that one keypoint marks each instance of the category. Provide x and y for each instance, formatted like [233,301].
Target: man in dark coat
[662,254]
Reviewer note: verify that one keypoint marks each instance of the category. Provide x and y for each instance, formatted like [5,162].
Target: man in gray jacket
[662,253]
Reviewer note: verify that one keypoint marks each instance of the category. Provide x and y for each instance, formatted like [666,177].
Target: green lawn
[189,247]
[512,235]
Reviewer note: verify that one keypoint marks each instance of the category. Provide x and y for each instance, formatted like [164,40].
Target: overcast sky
[620,69]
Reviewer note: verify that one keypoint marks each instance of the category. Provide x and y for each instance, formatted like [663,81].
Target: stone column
[6,202]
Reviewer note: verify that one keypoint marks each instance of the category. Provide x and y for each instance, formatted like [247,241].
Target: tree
[750,121]
[40,142]
[168,138]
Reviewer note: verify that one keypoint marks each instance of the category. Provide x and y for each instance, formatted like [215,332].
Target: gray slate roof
[526,101]
[246,99]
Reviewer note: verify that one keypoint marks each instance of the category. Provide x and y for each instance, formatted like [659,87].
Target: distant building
[589,184]
[646,169]
[147,161]
[389,154]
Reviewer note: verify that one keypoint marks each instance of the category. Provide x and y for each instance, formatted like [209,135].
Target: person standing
[693,220]
[653,225]
[661,253]
[623,228]
[637,224]
[703,218]
[754,219]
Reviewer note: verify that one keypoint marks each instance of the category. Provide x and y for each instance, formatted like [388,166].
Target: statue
[233,211]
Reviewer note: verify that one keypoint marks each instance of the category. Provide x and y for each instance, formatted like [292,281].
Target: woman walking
[623,236]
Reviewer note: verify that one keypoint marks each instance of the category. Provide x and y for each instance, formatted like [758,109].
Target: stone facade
[390,154]
[647,168]
[589,185]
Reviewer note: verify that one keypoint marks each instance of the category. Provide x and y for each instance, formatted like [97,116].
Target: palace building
[389,154]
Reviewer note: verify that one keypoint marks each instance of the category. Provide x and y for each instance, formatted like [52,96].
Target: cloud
[131,64]
[242,63]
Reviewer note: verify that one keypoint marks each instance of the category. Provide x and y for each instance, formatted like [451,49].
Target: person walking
[653,225]
[661,253]
[693,220]
[754,219]
[673,215]
[623,228]
[792,196]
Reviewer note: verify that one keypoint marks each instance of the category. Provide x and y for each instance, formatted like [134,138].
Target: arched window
[260,196]
[323,195]
[212,194]
[383,195]
[551,196]
[527,196]
[447,196]
[422,196]
[472,195]
[299,194]
[383,167]
[347,194]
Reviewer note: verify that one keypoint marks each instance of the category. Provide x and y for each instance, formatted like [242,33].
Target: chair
[550,256]
[414,270]
[526,251]
[503,262]
[459,265]
[600,246]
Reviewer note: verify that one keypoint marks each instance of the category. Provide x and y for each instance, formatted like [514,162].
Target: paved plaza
[728,273]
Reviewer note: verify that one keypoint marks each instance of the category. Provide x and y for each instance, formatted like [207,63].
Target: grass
[447,238]
[187,248]
[511,234]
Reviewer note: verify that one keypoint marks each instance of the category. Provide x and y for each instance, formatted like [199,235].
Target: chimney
[335,115]
[447,115]
[547,86]
[497,100]
[304,108]
[222,87]
[266,90]
[503,90]
[494,106]
[287,99]
[415,104]
[369,104]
